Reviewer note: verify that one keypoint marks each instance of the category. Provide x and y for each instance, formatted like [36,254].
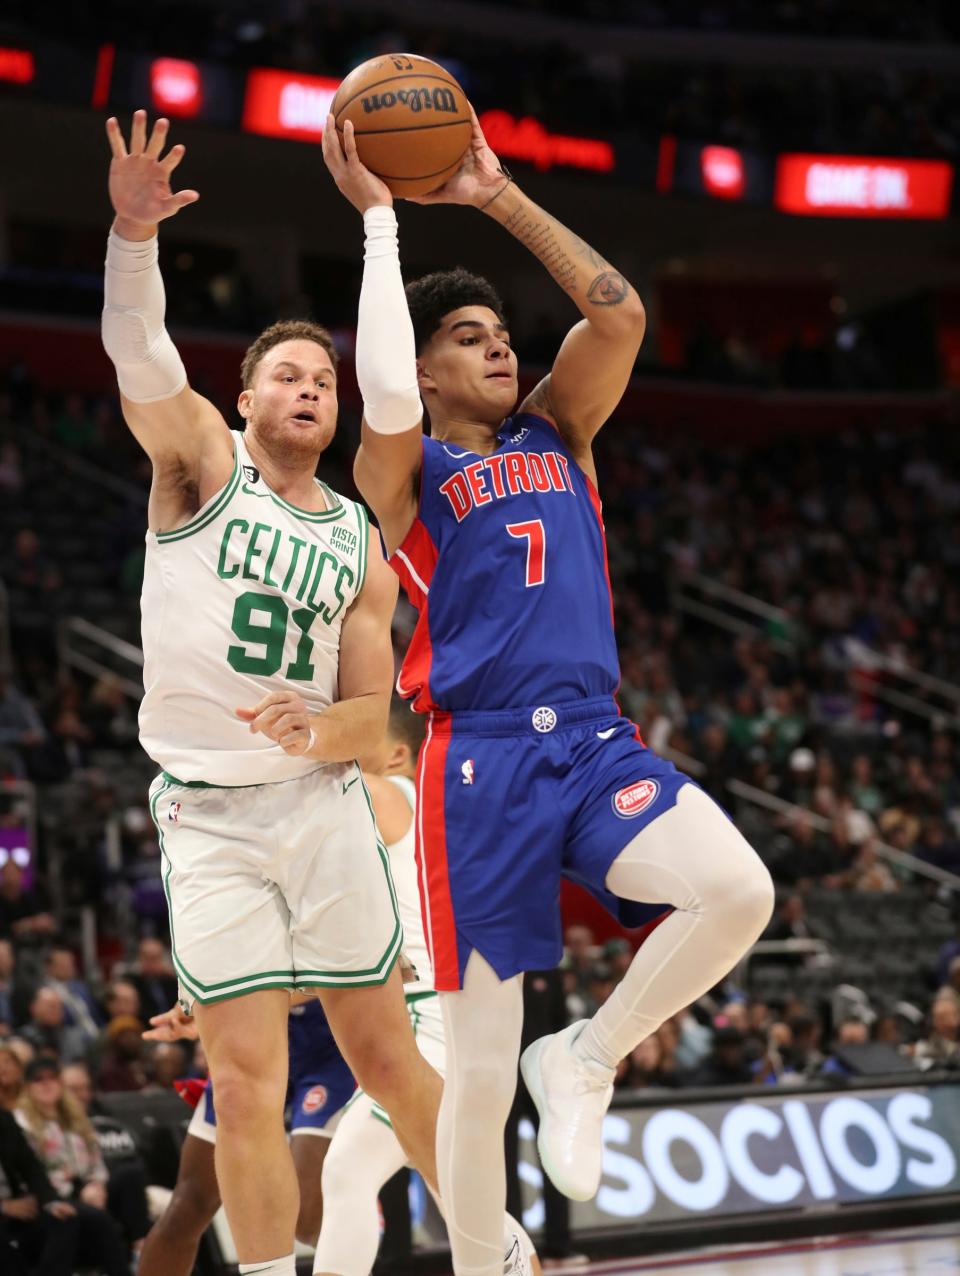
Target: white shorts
[283,885]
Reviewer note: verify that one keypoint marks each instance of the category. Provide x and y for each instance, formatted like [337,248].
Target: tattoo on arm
[583,249]
[608,289]
[538,235]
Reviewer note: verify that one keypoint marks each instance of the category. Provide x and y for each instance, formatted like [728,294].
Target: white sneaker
[515,1263]
[572,1096]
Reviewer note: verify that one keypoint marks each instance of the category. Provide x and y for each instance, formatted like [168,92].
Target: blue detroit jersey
[506,564]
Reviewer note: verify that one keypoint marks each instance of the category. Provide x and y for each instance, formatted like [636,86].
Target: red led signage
[16,66]
[858,186]
[175,87]
[723,172]
[285,104]
[527,139]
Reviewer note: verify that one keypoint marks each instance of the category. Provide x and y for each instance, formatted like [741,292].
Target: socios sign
[667,1164]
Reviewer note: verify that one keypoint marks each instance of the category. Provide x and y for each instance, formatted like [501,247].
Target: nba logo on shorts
[315,1099]
[635,798]
[173,815]
[466,771]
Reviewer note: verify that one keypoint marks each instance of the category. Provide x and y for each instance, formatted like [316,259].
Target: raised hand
[139,180]
[354,181]
[477,181]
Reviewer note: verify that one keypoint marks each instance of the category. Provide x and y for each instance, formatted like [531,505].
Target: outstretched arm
[595,360]
[387,464]
[183,434]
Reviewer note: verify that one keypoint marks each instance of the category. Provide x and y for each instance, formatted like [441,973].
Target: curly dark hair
[284,330]
[435,295]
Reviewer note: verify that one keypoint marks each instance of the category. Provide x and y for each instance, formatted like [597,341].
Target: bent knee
[243,1099]
[191,1209]
[488,1086]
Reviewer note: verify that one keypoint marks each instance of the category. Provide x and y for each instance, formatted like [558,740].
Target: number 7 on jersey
[536,538]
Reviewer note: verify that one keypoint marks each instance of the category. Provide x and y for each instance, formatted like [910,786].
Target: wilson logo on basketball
[635,798]
[315,1098]
[440,99]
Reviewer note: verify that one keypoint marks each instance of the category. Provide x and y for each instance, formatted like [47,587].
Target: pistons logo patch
[635,798]
[173,815]
[315,1099]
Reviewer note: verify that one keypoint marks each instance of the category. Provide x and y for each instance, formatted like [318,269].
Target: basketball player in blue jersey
[528,773]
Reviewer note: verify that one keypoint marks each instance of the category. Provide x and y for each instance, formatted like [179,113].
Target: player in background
[267,667]
[365,1152]
[528,772]
[320,1085]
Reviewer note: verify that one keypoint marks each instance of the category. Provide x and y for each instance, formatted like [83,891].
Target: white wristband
[386,352]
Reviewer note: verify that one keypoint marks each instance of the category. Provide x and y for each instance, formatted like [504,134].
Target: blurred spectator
[941,1046]
[123,998]
[79,1005]
[14,997]
[694,1040]
[38,1232]
[74,427]
[127,1175]
[24,914]
[153,979]
[123,1066]
[168,1064]
[790,920]
[648,1067]
[64,1140]
[21,727]
[47,1032]
[952,986]
[850,1032]
[11,1078]
[727,1063]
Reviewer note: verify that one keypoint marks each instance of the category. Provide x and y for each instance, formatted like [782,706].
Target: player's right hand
[139,180]
[172,1025]
[355,182]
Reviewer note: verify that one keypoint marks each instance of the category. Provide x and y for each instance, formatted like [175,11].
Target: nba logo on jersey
[173,815]
[315,1098]
[466,770]
[635,798]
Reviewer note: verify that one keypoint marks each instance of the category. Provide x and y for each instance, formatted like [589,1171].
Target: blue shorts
[320,1083]
[508,803]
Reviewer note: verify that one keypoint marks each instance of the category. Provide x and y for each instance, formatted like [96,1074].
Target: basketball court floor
[931,1251]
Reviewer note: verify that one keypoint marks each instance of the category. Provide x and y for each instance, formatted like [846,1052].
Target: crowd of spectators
[73,1185]
[732,1038]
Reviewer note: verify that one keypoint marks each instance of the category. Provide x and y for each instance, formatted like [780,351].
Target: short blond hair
[284,330]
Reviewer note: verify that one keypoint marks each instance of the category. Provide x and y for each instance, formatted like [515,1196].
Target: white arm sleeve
[386,351]
[148,365]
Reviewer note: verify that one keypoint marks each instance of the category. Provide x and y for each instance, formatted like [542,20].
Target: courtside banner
[687,1161]
[286,104]
[862,186]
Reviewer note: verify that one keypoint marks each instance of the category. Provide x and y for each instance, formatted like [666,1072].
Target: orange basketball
[411,119]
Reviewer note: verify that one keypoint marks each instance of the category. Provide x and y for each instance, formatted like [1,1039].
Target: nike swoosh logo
[250,492]
[605,735]
[351,784]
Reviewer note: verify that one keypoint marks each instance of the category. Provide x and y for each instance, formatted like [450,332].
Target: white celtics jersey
[403,869]
[248,597]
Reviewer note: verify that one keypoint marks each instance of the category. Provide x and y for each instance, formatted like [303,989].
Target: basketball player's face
[467,368]
[292,406]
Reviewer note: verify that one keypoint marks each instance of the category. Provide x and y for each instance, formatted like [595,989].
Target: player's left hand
[172,1025]
[478,179]
[283,717]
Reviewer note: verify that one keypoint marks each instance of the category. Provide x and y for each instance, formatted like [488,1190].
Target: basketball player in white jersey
[365,1153]
[267,668]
